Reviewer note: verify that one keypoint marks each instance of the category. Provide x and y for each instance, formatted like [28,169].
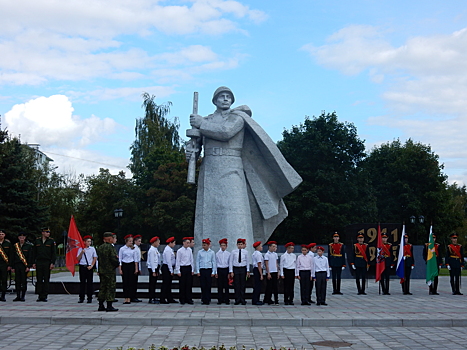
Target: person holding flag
[87,258]
[409,263]
[359,262]
[455,263]
[431,255]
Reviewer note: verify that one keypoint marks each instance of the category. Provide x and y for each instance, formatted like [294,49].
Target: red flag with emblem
[380,263]
[73,243]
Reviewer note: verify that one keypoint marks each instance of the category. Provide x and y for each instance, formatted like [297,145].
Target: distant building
[41,157]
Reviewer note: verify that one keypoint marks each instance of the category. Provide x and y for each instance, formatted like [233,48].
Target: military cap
[22,233]
[45,229]
[335,234]
[108,234]
[360,236]
[453,235]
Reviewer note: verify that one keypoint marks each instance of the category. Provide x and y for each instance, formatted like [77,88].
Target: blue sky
[72,72]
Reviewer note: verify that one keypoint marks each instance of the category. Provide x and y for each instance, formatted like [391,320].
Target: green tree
[327,154]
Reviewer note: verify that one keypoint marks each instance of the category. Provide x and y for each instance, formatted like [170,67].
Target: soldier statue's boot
[2,298]
[18,296]
[110,308]
[101,306]
[23,294]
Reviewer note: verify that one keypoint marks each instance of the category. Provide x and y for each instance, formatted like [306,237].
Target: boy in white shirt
[222,262]
[321,274]
[287,266]
[304,266]
[271,265]
[154,261]
[258,263]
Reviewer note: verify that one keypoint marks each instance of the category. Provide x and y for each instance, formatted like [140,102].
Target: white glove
[449,268]
[353,266]
[392,266]
[330,268]
[343,268]
[412,267]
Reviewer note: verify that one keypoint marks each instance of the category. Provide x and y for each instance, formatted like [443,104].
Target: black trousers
[434,286]
[257,286]
[336,273]
[43,280]
[360,278]
[21,278]
[455,273]
[3,278]
[240,283]
[223,284]
[186,281]
[85,282]
[406,283]
[384,281]
[321,286]
[166,289]
[305,284]
[205,281]
[289,280]
[128,279]
[312,283]
[152,285]
[272,288]
[134,286]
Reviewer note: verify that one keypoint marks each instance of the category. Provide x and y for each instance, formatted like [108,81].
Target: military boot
[110,308]
[101,306]
[23,293]
[18,296]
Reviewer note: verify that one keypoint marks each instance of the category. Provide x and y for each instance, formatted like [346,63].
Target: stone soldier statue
[243,176]
[108,262]
[21,263]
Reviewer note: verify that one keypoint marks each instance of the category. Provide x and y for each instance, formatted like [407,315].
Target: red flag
[380,262]
[74,242]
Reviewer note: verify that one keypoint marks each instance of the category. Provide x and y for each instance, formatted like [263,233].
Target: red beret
[128,236]
[304,246]
[290,244]
[137,236]
[186,239]
[191,238]
[271,242]
[311,245]
[241,240]
[223,241]
[170,240]
[87,237]
[153,239]
[256,244]
[321,248]
[206,240]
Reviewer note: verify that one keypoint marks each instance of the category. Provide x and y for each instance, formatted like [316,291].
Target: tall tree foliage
[334,193]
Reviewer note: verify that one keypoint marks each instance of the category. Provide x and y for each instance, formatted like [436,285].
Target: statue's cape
[270,177]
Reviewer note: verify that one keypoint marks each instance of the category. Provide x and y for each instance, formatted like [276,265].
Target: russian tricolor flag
[400,256]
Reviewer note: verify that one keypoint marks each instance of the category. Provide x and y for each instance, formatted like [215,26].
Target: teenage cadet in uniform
[359,262]
[287,267]
[409,263]
[168,264]
[336,258]
[206,269]
[137,244]
[44,261]
[271,263]
[388,265]
[128,258]
[258,265]
[5,263]
[21,262]
[184,266]
[154,260]
[303,270]
[312,252]
[239,268]
[321,276]
[108,262]
[433,288]
[455,263]
[222,263]
[87,258]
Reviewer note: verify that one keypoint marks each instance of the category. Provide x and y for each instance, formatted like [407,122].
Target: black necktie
[239,255]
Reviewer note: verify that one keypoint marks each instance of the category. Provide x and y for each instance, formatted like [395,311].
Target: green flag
[431,262]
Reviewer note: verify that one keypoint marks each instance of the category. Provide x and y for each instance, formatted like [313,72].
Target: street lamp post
[118,213]
[413,220]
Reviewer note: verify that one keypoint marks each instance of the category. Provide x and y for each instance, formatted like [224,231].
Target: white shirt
[154,258]
[127,255]
[184,258]
[271,258]
[287,262]
[321,264]
[256,258]
[89,253]
[304,263]
[138,258]
[168,258]
[222,258]
[245,260]
[206,259]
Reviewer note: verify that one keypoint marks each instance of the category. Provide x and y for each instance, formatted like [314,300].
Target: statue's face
[224,100]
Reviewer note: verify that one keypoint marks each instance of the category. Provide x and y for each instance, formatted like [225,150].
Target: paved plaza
[419,321]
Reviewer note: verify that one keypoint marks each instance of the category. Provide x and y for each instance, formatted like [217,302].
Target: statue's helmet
[222,89]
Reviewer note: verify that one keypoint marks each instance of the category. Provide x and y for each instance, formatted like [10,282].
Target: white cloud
[129,93]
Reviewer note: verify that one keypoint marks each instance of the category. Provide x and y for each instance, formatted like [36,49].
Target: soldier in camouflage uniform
[5,263]
[108,262]
[21,262]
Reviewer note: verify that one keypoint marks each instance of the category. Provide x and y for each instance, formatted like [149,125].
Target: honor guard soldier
[168,264]
[389,264]
[44,261]
[239,268]
[108,262]
[455,263]
[271,263]
[21,263]
[359,262]
[206,269]
[184,266]
[258,265]
[222,262]
[321,276]
[336,258]
[154,261]
[287,265]
[433,288]
[5,263]
[409,263]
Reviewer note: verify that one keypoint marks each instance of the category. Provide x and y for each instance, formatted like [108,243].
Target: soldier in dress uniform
[359,262]
[336,258]
[409,263]
[21,263]
[5,263]
[433,288]
[44,261]
[388,265]
[455,263]
[108,262]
